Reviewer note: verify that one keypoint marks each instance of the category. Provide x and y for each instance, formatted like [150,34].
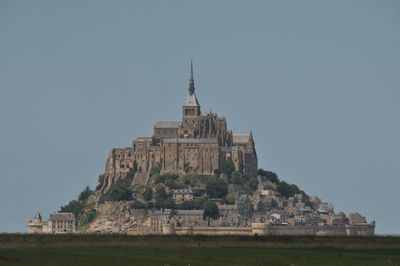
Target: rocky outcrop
[119,216]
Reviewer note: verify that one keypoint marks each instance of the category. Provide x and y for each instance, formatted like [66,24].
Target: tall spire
[191,79]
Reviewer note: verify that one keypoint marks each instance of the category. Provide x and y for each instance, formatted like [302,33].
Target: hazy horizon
[316,82]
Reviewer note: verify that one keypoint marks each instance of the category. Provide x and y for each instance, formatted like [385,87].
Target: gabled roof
[167,124]
[241,138]
[191,141]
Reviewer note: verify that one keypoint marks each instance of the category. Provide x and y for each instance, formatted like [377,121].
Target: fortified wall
[262,229]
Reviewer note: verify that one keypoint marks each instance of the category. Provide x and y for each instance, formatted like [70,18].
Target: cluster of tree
[216,187]
[170,180]
[226,167]
[119,191]
[270,176]
[77,206]
[285,189]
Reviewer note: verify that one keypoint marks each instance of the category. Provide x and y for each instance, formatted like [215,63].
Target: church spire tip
[191,79]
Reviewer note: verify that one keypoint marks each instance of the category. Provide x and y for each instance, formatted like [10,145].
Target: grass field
[197,250]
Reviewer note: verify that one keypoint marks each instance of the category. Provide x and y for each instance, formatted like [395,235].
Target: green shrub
[149,205]
[170,203]
[235,178]
[156,169]
[85,194]
[119,191]
[216,188]
[187,205]
[161,194]
[148,194]
[270,176]
[210,209]
[227,167]
[197,192]
[228,200]
[74,206]
[138,205]
[87,217]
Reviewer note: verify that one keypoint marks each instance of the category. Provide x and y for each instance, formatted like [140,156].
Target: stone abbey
[196,144]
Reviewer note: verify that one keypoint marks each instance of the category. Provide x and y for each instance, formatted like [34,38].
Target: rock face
[119,216]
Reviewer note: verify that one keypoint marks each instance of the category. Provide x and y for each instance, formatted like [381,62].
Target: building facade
[60,222]
[196,144]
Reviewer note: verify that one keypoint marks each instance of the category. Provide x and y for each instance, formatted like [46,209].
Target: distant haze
[317,82]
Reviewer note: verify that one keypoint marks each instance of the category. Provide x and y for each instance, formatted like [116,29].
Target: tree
[227,167]
[187,205]
[169,203]
[210,209]
[119,191]
[228,200]
[235,178]
[149,205]
[148,194]
[253,183]
[138,205]
[156,169]
[161,193]
[74,206]
[216,187]
[85,194]
[159,204]
[270,176]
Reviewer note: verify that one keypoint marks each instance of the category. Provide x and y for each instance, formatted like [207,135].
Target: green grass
[197,250]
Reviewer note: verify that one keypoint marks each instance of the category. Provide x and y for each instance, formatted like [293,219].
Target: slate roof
[191,100]
[189,212]
[61,216]
[191,141]
[241,138]
[167,124]
[182,191]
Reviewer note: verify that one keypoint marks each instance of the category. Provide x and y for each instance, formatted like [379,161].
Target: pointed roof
[191,99]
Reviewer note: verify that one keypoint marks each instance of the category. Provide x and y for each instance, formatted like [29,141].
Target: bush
[138,205]
[156,169]
[253,183]
[187,205]
[74,206]
[85,194]
[169,204]
[161,194]
[197,192]
[149,205]
[210,209]
[88,217]
[236,178]
[159,204]
[228,200]
[148,194]
[216,188]
[270,176]
[119,191]
[227,167]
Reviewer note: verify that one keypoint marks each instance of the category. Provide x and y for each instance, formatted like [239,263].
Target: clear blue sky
[316,81]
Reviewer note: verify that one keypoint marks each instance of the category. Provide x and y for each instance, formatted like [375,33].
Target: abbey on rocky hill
[196,144]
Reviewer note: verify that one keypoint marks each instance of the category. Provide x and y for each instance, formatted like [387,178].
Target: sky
[317,82]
